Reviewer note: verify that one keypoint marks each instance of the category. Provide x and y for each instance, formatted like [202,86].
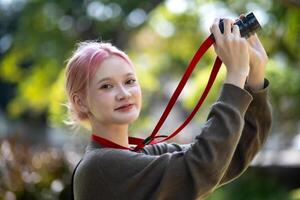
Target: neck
[115,133]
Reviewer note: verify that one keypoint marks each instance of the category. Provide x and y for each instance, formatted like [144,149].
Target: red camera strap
[151,139]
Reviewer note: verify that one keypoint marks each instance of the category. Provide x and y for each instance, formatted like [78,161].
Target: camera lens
[247,25]
[251,23]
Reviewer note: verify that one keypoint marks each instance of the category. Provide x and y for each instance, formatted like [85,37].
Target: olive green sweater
[236,128]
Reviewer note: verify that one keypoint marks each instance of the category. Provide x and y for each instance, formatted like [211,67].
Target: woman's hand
[258,62]
[233,51]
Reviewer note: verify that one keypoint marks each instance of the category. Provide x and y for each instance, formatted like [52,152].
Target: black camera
[248,25]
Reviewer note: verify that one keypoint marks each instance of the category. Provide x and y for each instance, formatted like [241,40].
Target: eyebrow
[108,78]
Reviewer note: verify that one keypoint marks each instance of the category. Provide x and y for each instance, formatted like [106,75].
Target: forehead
[113,66]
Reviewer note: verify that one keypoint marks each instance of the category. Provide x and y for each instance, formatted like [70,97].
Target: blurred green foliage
[252,185]
[160,40]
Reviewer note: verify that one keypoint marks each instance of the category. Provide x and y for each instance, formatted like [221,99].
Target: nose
[123,93]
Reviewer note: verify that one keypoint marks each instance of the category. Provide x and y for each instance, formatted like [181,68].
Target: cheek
[138,94]
[102,100]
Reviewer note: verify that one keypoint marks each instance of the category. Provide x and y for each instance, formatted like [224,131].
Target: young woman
[103,89]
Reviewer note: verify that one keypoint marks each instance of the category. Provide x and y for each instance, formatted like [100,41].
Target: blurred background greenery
[38,152]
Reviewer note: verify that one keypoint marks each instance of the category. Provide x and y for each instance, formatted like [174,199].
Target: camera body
[248,25]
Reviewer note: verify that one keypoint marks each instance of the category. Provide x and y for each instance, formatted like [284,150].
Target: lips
[124,106]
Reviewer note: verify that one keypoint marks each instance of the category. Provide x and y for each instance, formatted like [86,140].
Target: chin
[126,119]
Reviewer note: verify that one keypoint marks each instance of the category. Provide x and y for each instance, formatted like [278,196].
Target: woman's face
[114,87]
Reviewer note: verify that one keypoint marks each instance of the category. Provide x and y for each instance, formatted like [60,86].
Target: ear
[80,103]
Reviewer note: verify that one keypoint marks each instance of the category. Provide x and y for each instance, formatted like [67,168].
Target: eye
[106,86]
[131,81]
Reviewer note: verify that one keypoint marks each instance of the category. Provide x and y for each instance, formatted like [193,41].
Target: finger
[254,41]
[242,16]
[216,20]
[254,37]
[256,44]
[257,41]
[215,30]
[227,26]
[236,30]
[251,40]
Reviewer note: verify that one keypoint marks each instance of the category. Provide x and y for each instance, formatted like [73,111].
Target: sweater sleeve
[258,120]
[193,173]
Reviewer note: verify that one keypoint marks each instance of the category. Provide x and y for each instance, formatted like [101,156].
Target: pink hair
[81,67]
